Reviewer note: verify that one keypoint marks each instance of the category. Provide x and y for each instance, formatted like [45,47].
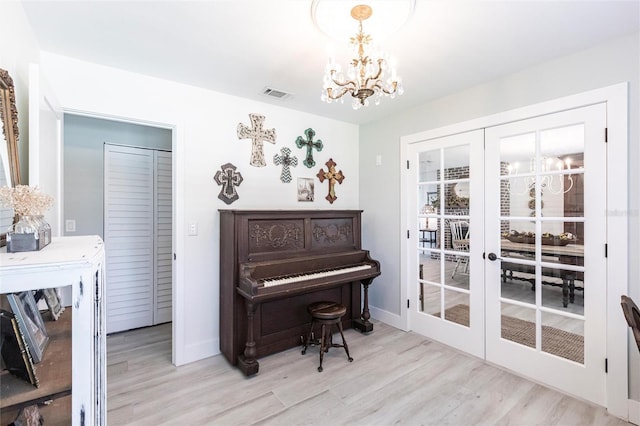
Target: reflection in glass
[443,229]
[517,324]
[456,161]
[459,280]
[430,267]
[563,289]
[518,282]
[460,242]
[429,165]
[456,307]
[430,299]
[563,336]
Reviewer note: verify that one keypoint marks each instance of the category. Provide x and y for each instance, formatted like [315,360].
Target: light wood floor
[396,378]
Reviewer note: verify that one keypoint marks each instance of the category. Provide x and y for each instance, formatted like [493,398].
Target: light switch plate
[70,225]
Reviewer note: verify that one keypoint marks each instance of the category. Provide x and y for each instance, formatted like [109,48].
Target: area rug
[554,341]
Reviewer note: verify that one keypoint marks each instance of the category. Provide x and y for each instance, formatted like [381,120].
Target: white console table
[77,262]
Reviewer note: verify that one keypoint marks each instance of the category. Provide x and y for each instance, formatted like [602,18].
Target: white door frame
[616,99]
[179,354]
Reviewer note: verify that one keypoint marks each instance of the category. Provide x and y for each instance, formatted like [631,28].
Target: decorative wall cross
[257,135]
[332,176]
[229,179]
[310,144]
[287,161]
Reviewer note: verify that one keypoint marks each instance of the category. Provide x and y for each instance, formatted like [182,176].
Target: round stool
[326,314]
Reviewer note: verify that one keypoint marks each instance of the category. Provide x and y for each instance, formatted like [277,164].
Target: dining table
[568,254]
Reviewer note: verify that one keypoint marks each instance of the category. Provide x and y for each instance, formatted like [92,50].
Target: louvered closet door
[129,234]
[163,237]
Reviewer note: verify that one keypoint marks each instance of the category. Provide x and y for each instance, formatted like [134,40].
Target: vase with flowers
[30,231]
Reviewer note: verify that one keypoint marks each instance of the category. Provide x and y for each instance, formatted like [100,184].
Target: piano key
[312,275]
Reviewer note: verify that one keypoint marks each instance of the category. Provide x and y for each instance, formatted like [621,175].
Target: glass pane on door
[443,227]
[542,239]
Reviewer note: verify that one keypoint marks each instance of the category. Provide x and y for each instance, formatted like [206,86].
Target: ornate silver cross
[257,135]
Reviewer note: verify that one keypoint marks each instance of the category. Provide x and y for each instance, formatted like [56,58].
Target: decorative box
[28,242]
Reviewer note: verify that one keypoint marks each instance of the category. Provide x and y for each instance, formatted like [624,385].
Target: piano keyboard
[304,277]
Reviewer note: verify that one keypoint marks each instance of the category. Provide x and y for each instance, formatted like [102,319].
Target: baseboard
[634,412]
[387,317]
[201,350]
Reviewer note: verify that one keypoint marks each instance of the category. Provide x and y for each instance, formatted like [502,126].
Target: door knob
[492,257]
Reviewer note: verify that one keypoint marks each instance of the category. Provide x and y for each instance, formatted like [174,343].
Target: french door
[516,273]
[546,226]
[447,299]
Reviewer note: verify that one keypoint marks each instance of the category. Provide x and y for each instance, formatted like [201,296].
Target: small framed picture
[432,197]
[17,359]
[305,189]
[53,302]
[24,307]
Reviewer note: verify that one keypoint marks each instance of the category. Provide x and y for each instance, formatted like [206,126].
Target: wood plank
[396,377]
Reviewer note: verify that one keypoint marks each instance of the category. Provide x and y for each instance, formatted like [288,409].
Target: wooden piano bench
[326,314]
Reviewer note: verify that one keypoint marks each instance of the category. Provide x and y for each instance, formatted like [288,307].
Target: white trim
[179,354]
[34,120]
[616,98]
[405,324]
[618,247]
[387,317]
[634,412]
[40,97]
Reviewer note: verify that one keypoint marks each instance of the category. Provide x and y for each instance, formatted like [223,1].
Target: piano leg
[363,324]
[247,362]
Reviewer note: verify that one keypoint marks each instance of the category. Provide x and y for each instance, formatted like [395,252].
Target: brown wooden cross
[332,176]
[257,135]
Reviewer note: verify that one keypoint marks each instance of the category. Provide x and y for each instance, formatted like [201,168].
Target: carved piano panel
[275,236]
[259,316]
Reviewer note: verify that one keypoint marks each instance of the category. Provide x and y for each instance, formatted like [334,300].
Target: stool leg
[344,342]
[323,347]
[306,342]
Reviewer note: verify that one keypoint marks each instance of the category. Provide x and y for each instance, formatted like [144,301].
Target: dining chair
[460,242]
[632,315]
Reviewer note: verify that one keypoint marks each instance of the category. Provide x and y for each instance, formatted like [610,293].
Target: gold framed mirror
[9,163]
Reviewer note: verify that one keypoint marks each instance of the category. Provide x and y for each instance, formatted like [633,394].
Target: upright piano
[273,264]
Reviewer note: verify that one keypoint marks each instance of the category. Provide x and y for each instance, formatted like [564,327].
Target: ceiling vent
[275,93]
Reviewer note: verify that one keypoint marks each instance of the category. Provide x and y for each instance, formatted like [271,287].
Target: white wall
[17,50]
[84,139]
[607,64]
[205,124]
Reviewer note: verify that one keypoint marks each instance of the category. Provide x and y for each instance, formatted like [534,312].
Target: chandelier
[549,168]
[366,72]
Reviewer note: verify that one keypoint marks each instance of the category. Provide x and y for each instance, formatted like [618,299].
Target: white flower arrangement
[25,200]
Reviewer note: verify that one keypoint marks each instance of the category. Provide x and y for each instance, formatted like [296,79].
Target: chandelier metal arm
[374,77]
[340,93]
[342,84]
[394,87]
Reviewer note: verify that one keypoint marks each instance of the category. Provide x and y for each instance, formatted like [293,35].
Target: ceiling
[240,47]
